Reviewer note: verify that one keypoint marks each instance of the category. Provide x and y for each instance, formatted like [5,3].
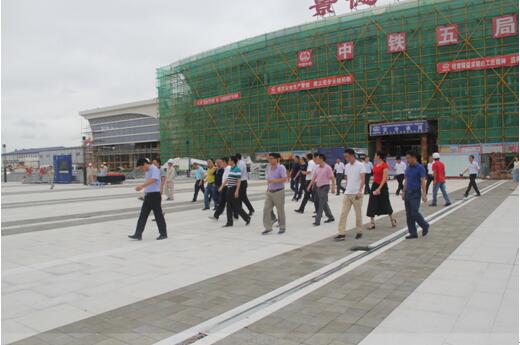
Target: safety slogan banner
[311,84]
[217,99]
[478,63]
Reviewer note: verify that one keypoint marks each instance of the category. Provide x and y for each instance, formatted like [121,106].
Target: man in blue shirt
[152,200]
[199,180]
[414,190]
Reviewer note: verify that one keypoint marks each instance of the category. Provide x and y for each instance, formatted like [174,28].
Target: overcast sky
[63,56]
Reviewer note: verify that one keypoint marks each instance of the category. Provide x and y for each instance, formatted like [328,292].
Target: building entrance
[396,138]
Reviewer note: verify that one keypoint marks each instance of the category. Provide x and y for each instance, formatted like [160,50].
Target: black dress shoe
[281,231]
[330,220]
[248,221]
[425,231]
[410,237]
[205,208]
[316,224]
[358,236]
[135,237]
[265,232]
[298,211]
[161,237]
[448,204]
[340,238]
[251,213]
[227,225]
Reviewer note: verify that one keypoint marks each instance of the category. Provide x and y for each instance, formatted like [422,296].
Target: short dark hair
[322,156]
[142,161]
[310,156]
[158,160]
[296,156]
[225,159]
[234,159]
[304,159]
[411,153]
[238,155]
[398,158]
[472,156]
[350,152]
[275,155]
[381,155]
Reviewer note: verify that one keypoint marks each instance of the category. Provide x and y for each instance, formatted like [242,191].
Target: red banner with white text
[478,63]
[311,84]
[217,99]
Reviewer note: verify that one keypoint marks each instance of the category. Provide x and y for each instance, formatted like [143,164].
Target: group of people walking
[225,181]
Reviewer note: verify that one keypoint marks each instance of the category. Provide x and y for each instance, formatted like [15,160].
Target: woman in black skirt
[379,200]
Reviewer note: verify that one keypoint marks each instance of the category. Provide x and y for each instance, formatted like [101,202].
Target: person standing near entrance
[308,192]
[50,176]
[211,188]
[275,195]
[243,184]
[439,181]
[322,180]
[355,176]
[400,167]
[199,181]
[152,200]
[368,172]
[429,177]
[339,171]
[234,206]
[379,199]
[473,170]
[170,177]
[414,190]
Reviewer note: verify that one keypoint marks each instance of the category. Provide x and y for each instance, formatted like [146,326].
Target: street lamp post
[84,161]
[3,162]
[189,157]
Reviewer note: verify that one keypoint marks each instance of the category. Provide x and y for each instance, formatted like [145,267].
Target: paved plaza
[70,275]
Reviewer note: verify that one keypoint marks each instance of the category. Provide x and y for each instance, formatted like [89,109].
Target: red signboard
[304,58]
[355,3]
[217,99]
[323,7]
[396,42]
[447,34]
[478,63]
[504,26]
[345,51]
[311,84]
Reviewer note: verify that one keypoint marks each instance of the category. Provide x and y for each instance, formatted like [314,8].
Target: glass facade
[122,129]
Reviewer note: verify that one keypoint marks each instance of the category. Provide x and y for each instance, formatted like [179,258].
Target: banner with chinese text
[217,99]
[478,63]
[311,84]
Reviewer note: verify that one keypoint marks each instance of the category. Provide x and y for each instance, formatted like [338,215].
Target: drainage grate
[193,339]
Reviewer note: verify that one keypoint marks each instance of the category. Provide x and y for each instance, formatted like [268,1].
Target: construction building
[424,75]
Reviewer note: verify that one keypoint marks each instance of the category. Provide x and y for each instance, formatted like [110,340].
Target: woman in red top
[379,200]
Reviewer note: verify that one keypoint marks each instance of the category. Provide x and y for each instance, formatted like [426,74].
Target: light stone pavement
[86,284]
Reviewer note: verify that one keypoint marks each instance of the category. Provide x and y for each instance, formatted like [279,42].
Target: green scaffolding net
[477,106]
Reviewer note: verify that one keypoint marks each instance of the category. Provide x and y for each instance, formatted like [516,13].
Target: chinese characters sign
[345,51]
[311,84]
[504,26]
[355,3]
[323,7]
[447,34]
[396,42]
[217,99]
[478,63]
[304,58]
[408,127]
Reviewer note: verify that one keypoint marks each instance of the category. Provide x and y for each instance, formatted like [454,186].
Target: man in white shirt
[472,169]
[243,184]
[400,167]
[339,168]
[355,176]
[368,172]
[309,174]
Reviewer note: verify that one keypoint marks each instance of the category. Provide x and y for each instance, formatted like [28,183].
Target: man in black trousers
[152,200]
[243,185]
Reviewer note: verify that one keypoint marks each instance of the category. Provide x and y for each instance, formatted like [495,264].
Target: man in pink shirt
[323,178]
